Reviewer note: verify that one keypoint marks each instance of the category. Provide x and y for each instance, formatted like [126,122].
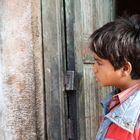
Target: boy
[116,50]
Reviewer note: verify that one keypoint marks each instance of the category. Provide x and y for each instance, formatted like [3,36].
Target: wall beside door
[21,75]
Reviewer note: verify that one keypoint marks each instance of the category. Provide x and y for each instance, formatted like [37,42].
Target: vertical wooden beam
[91,102]
[53,26]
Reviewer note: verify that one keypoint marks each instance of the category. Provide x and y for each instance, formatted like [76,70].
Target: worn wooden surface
[23,61]
[52,14]
[90,102]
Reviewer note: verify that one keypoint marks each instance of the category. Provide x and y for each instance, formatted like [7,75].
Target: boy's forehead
[96,56]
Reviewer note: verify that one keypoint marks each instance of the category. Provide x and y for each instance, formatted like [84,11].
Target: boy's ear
[127,68]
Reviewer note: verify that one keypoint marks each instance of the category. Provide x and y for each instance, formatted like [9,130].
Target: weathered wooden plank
[105,11]
[78,33]
[52,14]
[17,94]
[91,111]
[87,15]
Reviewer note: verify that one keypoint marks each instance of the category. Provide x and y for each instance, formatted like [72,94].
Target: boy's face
[105,73]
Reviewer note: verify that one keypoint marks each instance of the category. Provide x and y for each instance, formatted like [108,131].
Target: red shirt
[114,131]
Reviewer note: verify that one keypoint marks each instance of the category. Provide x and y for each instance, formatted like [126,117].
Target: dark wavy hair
[119,42]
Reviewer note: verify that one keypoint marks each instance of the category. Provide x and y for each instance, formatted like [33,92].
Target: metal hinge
[70,80]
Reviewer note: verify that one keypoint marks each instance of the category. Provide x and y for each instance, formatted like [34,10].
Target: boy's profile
[116,51]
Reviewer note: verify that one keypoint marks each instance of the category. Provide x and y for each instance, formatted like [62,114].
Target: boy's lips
[96,79]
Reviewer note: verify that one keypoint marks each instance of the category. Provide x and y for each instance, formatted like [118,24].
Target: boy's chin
[103,84]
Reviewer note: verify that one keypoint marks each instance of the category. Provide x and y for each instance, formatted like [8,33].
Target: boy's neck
[130,84]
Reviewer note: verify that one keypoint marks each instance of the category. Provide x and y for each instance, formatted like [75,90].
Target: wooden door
[73,112]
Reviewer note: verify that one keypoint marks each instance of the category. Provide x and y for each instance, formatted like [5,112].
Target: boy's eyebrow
[97,59]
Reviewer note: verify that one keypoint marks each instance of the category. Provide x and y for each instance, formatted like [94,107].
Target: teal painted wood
[53,41]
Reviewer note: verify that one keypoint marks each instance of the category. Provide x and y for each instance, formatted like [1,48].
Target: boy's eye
[97,62]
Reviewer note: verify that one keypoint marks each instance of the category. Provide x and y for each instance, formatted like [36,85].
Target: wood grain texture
[90,101]
[52,14]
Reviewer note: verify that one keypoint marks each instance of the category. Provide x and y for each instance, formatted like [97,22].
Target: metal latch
[70,80]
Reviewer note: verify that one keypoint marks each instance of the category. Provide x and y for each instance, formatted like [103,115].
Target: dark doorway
[127,7]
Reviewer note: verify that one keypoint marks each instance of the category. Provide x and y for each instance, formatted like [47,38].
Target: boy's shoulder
[127,113]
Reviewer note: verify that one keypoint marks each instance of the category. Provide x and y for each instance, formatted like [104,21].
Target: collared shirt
[122,96]
[114,131]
